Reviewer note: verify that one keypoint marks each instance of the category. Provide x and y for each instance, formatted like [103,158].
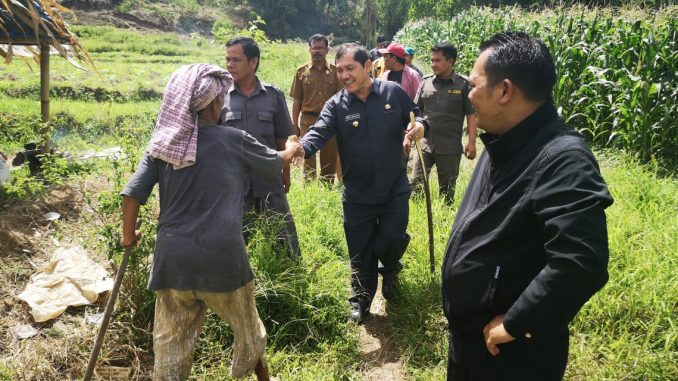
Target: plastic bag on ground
[71,278]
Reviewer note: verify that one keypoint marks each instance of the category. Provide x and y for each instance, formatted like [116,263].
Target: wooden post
[44,94]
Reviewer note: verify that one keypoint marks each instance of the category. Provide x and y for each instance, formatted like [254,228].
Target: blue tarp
[17,29]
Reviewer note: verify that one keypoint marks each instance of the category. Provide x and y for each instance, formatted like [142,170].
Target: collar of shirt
[310,66]
[500,148]
[350,97]
[451,79]
[258,88]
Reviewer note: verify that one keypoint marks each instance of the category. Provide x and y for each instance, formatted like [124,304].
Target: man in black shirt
[529,243]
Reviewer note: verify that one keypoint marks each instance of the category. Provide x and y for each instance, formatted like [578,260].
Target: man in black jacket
[529,243]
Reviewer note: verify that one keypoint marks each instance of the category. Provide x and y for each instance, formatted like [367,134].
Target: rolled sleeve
[412,106]
[144,179]
[297,90]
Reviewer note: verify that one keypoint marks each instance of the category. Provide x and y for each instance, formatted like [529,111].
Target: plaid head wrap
[190,89]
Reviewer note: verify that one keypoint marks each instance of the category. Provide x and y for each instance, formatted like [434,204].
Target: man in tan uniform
[314,83]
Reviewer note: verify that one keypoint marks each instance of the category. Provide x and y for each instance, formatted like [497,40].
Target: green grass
[133,66]
[627,331]
[120,98]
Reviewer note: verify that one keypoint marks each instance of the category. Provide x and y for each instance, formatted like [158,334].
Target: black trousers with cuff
[375,233]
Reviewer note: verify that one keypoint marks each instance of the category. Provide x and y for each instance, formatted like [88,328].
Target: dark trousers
[276,209]
[374,233]
[448,170]
[524,359]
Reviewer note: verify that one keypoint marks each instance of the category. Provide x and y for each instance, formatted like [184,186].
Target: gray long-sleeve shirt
[199,244]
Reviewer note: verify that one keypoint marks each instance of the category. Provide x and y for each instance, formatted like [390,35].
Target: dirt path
[381,360]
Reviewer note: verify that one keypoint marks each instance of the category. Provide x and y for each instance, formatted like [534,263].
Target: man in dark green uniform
[443,99]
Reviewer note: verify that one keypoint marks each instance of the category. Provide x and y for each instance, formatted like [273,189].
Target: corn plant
[617,81]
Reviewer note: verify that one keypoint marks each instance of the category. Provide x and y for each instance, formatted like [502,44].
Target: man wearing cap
[443,98]
[409,57]
[397,69]
[200,259]
[314,83]
[260,109]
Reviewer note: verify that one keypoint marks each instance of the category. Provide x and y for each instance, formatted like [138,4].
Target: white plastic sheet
[4,171]
[69,279]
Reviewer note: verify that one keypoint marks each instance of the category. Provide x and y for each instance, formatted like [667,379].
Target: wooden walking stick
[427,193]
[107,314]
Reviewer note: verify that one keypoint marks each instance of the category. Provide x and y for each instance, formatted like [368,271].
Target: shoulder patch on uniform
[271,86]
[462,76]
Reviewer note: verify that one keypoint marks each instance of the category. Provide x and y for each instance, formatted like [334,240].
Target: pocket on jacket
[265,126]
[473,288]
[265,116]
[232,119]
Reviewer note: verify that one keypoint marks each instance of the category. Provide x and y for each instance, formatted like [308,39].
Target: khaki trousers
[329,155]
[448,170]
[179,316]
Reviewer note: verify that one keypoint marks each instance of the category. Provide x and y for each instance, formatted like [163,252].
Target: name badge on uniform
[352,117]
[454,91]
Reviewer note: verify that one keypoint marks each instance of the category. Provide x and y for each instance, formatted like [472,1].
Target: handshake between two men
[294,150]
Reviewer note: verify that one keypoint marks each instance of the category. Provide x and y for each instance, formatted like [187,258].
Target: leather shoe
[389,287]
[358,313]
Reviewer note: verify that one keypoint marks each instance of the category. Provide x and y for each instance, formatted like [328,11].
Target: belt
[310,113]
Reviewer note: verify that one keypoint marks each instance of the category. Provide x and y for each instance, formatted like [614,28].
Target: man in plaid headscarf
[200,259]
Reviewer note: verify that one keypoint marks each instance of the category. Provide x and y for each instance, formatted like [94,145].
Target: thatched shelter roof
[27,24]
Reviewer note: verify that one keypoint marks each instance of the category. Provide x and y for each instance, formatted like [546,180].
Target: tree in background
[281,16]
[392,15]
[363,20]
[431,8]
[352,20]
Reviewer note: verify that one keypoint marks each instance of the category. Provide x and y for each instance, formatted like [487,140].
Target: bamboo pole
[110,305]
[427,193]
[44,95]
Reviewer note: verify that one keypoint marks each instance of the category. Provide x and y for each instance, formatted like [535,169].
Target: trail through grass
[627,331]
